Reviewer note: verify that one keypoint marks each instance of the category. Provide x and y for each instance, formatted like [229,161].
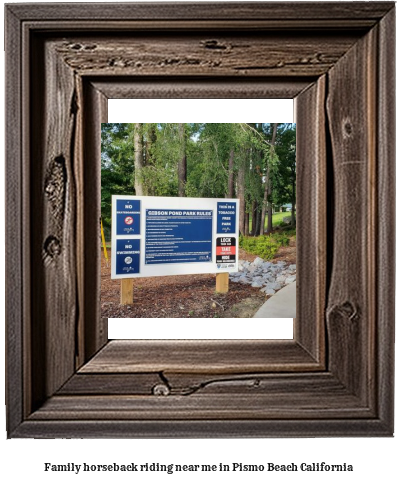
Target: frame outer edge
[303,11]
[201,429]
[14,269]
[385,289]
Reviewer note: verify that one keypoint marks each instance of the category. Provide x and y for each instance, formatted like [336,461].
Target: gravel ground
[191,296]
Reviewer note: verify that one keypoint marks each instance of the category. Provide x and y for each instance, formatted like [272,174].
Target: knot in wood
[213,44]
[52,246]
[50,188]
[347,128]
[349,310]
[161,390]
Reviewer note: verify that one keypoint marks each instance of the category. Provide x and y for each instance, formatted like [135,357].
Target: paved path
[280,305]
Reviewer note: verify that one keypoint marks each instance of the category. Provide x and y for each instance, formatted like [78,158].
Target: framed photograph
[65,379]
[223,160]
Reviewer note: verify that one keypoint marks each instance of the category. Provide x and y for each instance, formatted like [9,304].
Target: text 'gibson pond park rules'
[162,236]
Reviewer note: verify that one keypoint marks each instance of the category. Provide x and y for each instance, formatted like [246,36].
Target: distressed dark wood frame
[64,379]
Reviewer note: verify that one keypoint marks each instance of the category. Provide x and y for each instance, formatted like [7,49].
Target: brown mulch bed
[287,254]
[191,296]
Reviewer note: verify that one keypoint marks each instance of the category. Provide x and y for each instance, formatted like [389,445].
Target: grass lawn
[277,219]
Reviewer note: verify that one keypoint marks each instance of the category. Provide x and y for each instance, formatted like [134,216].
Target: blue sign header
[226,219]
[128,256]
[128,217]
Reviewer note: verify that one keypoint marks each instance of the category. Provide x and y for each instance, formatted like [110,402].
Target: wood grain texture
[222,282]
[202,407]
[126,291]
[139,87]
[111,384]
[184,384]
[200,388]
[291,428]
[311,219]
[53,241]
[352,126]
[200,356]
[385,264]
[279,11]
[256,396]
[94,113]
[240,55]
[14,207]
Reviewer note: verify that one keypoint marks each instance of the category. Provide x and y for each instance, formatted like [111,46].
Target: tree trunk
[182,166]
[150,144]
[265,207]
[246,226]
[230,185]
[269,215]
[253,218]
[263,215]
[268,188]
[293,203]
[150,156]
[258,220]
[241,196]
[138,159]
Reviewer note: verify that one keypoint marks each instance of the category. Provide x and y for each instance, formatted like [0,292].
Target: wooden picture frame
[335,378]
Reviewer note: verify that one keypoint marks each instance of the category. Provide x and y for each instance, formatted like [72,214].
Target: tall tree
[182,165]
[117,166]
[138,160]
[269,184]
[221,159]
[267,208]
[230,184]
[284,190]
[241,196]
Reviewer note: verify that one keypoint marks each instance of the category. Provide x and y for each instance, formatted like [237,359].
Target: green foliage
[117,165]
[284,183]
[208,150]
[279,217]
[265,246]
[208,157]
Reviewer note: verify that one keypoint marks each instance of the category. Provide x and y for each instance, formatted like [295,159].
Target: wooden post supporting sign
[222,282]
[126,291]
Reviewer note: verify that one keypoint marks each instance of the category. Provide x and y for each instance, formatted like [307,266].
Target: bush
[266,246]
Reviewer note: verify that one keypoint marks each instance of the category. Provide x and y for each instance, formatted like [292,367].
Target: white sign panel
[162,236]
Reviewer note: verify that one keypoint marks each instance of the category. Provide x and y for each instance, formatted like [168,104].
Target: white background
[213,111]
[375,460]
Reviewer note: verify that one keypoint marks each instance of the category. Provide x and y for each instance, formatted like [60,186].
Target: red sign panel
[226,250]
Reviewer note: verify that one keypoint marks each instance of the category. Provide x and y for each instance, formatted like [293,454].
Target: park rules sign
[162,236]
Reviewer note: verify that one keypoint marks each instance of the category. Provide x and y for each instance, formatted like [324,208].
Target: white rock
[258,261]
[274,285]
